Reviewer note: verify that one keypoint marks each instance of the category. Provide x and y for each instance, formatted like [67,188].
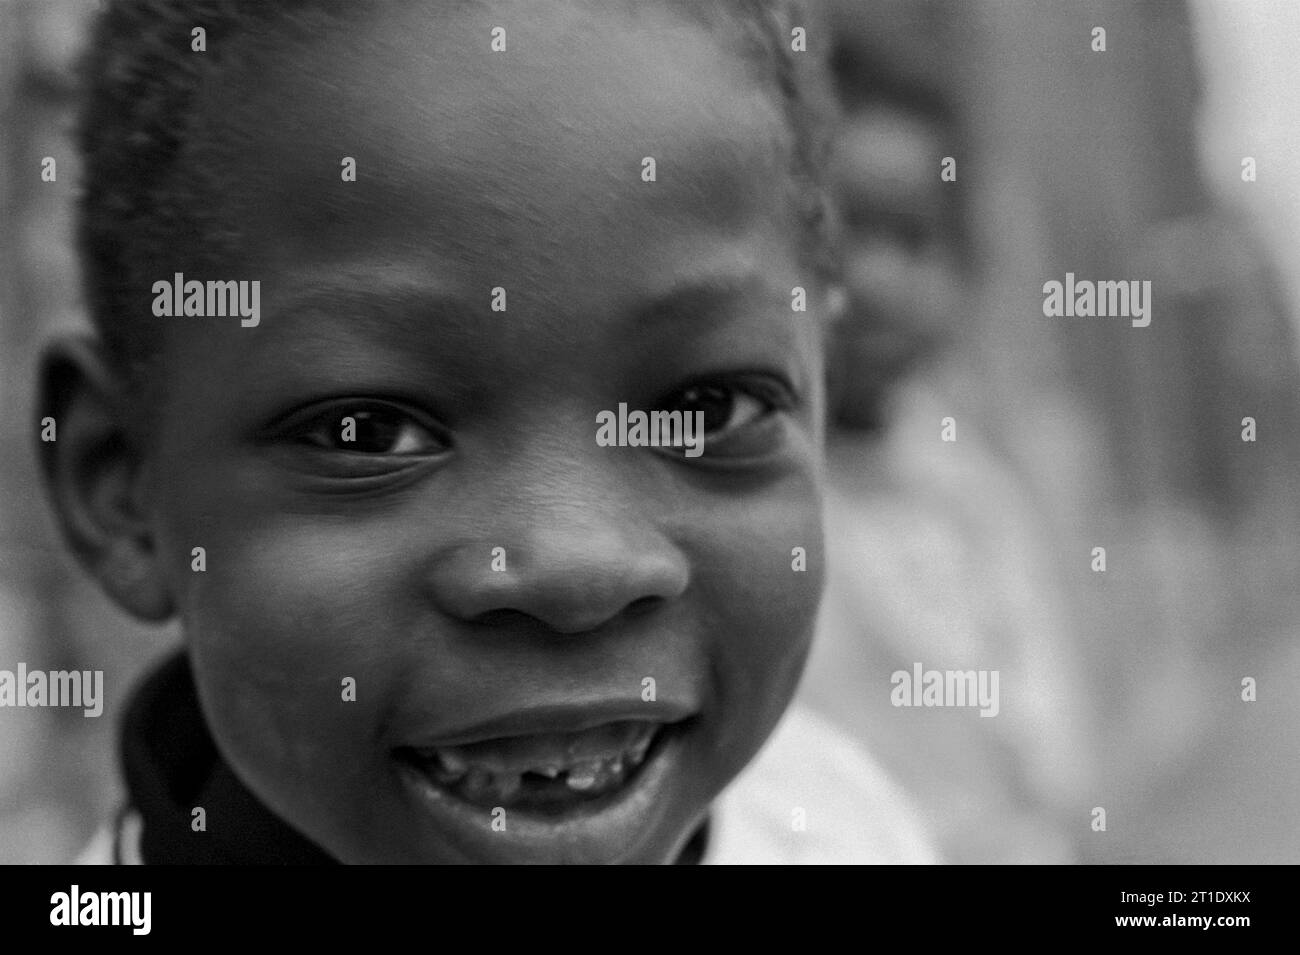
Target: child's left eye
[369,429]
[738,414]
[726,408]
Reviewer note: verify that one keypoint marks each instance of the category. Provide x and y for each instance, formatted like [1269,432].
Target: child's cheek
[766,584]
[286,636]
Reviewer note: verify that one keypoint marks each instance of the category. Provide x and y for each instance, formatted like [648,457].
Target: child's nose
[574,575]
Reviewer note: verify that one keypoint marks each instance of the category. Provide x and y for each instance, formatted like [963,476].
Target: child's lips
[612,825]
[591,810]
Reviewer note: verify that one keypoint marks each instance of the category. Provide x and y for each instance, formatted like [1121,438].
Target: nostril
[507,617]
[642,606]
[503,618]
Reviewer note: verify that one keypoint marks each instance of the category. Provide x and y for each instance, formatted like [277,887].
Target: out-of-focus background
[1119,690]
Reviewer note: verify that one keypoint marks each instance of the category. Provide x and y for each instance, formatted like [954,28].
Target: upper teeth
[583,776]
[452,761]
[488,777]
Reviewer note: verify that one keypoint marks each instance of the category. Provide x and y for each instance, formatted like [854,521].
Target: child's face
[374,560]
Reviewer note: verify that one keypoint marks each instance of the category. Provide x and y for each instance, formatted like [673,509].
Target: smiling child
[426,615]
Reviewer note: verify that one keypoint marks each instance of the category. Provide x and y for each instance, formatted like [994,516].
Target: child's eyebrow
[373,292]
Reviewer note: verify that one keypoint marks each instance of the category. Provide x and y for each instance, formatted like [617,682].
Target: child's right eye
[368,428]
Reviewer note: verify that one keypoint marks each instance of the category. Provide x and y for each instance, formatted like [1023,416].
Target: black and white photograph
[725,432]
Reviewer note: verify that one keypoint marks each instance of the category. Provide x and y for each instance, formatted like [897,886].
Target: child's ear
[93,470]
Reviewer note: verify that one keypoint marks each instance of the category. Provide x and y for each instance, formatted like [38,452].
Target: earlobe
[130,575]
[93,468]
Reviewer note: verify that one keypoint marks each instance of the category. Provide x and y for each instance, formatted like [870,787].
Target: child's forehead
[558,73]
[484,149]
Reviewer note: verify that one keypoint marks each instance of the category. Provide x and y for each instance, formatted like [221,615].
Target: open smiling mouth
[542,773]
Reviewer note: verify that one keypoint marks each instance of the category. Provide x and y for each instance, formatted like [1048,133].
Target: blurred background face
[1070,435]
[904,250]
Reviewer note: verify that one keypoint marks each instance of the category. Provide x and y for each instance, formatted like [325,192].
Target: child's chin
[630,819]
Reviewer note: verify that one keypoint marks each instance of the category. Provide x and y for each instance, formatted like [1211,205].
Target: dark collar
[172,767]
